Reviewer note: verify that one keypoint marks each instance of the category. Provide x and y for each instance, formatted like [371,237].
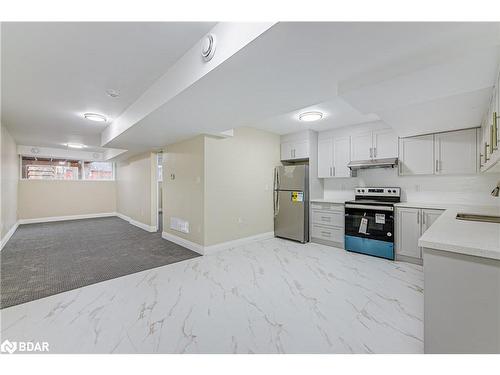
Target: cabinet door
[286,151]
[385,144]
[416,155]
[456,152]
[408,232]
[325,158]
[429,217]
[361,145]
[341,156]
[301,149]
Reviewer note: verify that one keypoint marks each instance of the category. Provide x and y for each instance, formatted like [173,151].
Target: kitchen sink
[476,217]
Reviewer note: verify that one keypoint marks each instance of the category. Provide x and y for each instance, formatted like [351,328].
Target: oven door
[369,229]
[373,222]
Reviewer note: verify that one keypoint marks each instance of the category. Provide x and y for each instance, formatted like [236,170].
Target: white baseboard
[9,234]
[239,242]
[207,250]
[63,218]
[183,242]
[146,227]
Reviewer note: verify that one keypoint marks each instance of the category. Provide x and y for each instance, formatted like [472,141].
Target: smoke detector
[208,45]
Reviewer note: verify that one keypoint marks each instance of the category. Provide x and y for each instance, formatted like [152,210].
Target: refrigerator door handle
[276,203]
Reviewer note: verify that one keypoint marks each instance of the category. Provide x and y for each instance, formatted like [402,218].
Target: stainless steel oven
[369,221]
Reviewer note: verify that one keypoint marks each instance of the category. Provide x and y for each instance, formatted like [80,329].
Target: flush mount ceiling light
[310,116]
[75,145]
[208,47]
[94,117]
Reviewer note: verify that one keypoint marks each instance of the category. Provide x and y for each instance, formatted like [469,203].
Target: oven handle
[374,208]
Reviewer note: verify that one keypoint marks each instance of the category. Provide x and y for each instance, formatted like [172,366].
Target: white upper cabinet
[385,144]
[325,158]
[362,146]
[416,155]
[301,149]
[295,149]
[376,144]
[333,157]
[456,152]
[446,153]
[286,151]
[341,152]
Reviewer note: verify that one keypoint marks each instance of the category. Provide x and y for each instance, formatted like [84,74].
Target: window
[35,168]
[98,170]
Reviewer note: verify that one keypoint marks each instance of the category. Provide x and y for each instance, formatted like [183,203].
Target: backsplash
[473,189]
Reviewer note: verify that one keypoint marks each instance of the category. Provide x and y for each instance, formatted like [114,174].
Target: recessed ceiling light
[75,145]
[94,117]
[310,116]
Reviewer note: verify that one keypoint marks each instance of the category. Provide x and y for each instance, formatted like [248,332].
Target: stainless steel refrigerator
[291,202]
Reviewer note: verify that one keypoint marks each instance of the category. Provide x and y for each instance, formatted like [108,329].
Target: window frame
[82,161]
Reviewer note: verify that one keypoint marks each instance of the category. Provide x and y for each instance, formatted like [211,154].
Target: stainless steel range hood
[375,163]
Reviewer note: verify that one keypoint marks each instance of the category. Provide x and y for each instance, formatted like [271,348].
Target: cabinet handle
[486,158]
[418,217]
[374,152]
[371,152]
[333,171]
[437,166]
[423,217]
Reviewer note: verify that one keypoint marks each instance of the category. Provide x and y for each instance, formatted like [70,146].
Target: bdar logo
[8,347]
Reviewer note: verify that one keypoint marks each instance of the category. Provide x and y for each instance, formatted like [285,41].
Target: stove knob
[389,234]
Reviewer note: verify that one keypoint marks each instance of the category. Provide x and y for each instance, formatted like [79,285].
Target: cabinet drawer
[328,233]
[327,206]
[335,218]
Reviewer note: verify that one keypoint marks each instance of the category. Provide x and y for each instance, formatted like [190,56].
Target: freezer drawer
[290,220]
[327,233]
[335,218]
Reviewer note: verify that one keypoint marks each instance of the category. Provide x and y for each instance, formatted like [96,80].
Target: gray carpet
[49,258]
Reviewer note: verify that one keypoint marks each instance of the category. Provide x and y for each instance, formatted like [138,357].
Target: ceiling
[52,73]
[416,77]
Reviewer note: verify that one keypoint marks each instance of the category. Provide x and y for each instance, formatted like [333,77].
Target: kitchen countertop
[333,201]
[464,237]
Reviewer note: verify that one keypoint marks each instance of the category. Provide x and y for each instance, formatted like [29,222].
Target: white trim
[239,242]
[146,227]
[183,242]
[63,218]
[207,250]
[9,234]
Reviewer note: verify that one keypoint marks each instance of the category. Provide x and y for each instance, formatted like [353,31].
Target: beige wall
[38,199]
[136,188]
[239,184]
[183,196]
[9,180]
[222,186]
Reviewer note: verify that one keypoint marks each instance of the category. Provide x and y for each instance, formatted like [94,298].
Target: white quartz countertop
[464,237]
[333,201]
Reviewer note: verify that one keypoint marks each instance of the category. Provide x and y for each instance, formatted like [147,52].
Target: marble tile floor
[271,296]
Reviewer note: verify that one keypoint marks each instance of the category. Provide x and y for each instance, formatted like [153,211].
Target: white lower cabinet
[411,223]
[327,224]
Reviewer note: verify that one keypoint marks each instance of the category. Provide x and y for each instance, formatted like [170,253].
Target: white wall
[239,184]
[9,180]
[136,188]
[53,198]
[469,189]
[183,196]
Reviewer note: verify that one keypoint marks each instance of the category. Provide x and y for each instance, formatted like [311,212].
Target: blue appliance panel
[368,246]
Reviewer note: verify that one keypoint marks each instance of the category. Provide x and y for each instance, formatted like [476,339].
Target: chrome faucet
[495,192]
